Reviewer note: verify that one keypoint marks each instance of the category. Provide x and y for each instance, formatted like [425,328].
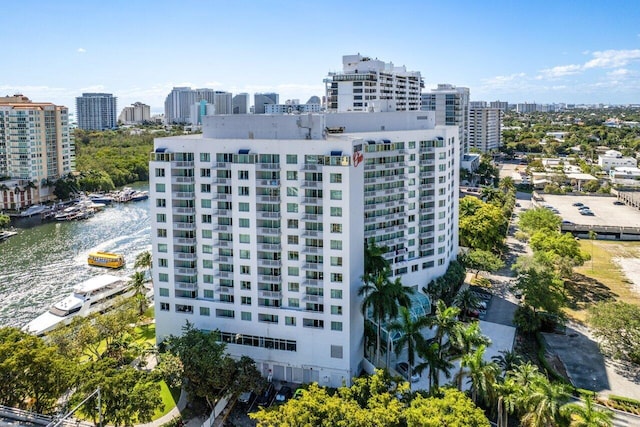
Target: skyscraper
[258,228]
[262,99]
[451,107]
[241,103]
[485,128]
[367,84]
[135,114]
[35,146]
[96,111]
[179,104]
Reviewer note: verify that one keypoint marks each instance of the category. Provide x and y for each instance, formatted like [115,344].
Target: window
[336,326]
[269,318]
[292,175]
[243,175]
[292,207]
[207,234]
[205,173]
[162,232]
[243,207]
[294,302]
[336,261]
[336,352]
[245,269]
[292,223]
[243,222]
[293,256]
[187,309]
[335,211]
[164,306]
[205,157]
[336,293]
[159,172]
[204,311]
[290,321]
[205,203]
[336,194]
[336,277]
[162,247]
[336,244]
[164,292]
[225,313]
[335,177]
[206,219]
[243,191]
[205,188]
[207,249]
[245,285]
[245,300]
[207,263]
[245,315]
[159,187]
[292,159]
[292,240]
[336,309]
[313,323]
[293,271]
[161,203]
[207,278]
[336,228]
[292,191]
[294,287]
[163,262]
[245,238]
[245,254]
[208,293]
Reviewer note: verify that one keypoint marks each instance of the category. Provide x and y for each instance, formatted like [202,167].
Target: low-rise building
[613,159]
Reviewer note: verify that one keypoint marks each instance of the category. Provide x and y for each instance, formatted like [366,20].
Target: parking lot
[606,213]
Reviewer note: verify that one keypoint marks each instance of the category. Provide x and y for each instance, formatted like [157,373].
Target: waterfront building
[367,84]
[485,128]
[96,111]
[451,107]
[259,223]
[261,100]
[240,103]
[35,149]
[137,113]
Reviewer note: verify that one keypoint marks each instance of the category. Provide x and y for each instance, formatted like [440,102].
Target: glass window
[335,177]
[294,302]
[290,321]
[294,287]
[207,234]
[292,207]
[336,293]
[292,223]
[292,240]
[243,175]
[245,315]
[243,207]
[336,194]
[293,256]
[159,172]
[208,293]
[243,222]
[243,191]
[164,292]
[160,187]
[292,191]
[336,326]
[336,228]
[162,232]
[163,277]
[245,285]
[205,157]
[245,300]
[245,254]
[205,173]
[205,203]
[162,247]
[292,175]
[161,217]
[245,269]
[204,311]
[336,309]
[205,188]
[292,159]
[336,261]
[293,271]
[161,203]
[245,238]
[336,244]
[335,211]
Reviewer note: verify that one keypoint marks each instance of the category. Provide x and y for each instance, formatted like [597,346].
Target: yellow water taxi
[106,259]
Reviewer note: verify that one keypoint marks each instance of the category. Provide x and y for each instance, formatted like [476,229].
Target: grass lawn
[603,281]
[170,399]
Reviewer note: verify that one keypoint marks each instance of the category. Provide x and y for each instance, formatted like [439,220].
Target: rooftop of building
[20,101]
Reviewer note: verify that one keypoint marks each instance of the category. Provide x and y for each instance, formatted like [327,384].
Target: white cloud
[612,58]
[500,81]
[559,71]
[619,73]
[81,50]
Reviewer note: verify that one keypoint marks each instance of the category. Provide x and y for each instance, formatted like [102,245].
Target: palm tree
[466,301]
[508,393]
[482,375]
[436,362]
[383,298]
[544,402]
[137,282]
[507,360]
[374,261]
[445,321]
[144,260]
[411,335]
[587,415]
[464,340]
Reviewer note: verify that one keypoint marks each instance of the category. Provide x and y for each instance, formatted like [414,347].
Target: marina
[45,259]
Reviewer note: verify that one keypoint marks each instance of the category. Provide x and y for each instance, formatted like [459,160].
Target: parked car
[618,203]
[567,222]
[578,204]
[587,212]
[584,208]
[266,396]
[284,394]
[246,396]
[403,369]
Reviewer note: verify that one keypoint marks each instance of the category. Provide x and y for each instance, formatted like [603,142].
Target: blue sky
[534,51]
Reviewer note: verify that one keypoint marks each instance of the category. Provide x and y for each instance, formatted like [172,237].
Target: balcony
[219,227]
[221,196]
[269,182]
[184,225]
[268,166]
[183,180]
[224,274]
[182,164]
[311,217]
[313,282]
[312,184]
[222,180]
[184,210]
[223,259]
[269,231]
[312,250]
[315,266]
[185,256]
[224,289]
[269,278]
[312,233]
[183,195]
[269,262]
[186,286]
[223,243]
[270,294]
[311,200]
[309,167]
[184,241]
[222,212]
[313,298]
[268,215]
[269,247]
[187,271]
[269,199]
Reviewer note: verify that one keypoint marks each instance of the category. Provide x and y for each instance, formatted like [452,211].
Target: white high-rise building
[135,114]
[259,225]
[367,84]
[485,125]
[451,106]
[240,103]
[178,106]
[97,111]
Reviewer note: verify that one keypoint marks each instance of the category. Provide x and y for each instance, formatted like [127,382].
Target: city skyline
[541,52]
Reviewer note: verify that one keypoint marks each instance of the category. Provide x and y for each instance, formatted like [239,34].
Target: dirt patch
[631,269]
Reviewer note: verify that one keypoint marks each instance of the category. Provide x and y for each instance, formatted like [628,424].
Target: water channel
[42,263]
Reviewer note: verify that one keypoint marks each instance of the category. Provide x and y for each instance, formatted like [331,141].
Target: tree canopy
[617,325]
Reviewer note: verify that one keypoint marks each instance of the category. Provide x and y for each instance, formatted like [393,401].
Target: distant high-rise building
[262,99]
[501,105]
[35,146]
[451,105]
[135,114]
[485,128]
[367,84]
[525,107]
[96,111]
[179,103]
[240,103]
[478,104]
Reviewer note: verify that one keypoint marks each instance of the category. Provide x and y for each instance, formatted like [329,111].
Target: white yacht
[91,296]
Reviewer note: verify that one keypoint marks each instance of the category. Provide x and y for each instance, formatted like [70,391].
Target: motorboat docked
[139,195]
[104,199]
[106,259]
[33,210]
[91,296]
[5,234]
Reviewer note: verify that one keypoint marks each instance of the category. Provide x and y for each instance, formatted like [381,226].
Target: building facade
[451,107]
[240,103]
[137,113]
[612,159]
[178,106]
[485,128]
[259,224]
[261,100]
[35,149]
[367,84]
[96,111]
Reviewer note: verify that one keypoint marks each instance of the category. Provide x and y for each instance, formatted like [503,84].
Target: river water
[41,264]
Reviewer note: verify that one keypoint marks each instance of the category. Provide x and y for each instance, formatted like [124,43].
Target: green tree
[435,361]
[144,260]
[543,403]
[411,336]
[616,324]
[466,301]
[586,414]
[558,250]
[507,360]
[464,341]
[445,321]
[170,369]
[374,261]
[541,290]
[480,260]
[5,220]
[450,408]
[482,225]
[483,375]
[539,219]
